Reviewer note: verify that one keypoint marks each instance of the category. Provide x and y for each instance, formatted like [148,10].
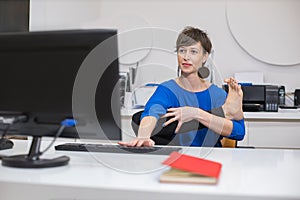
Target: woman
[189,97]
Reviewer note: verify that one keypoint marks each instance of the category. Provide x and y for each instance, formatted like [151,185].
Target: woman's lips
[186,64]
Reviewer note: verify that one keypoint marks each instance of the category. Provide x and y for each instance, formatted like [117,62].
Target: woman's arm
[146,127]
[224,126]
[217,124]
[184,114]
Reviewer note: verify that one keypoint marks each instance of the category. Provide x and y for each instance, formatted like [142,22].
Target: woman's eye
[181,51]
[194,52]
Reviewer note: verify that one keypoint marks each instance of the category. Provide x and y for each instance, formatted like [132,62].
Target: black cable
[64,124]
[60,130]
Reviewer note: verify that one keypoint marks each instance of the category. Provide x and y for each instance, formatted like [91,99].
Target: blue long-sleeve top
[170,95]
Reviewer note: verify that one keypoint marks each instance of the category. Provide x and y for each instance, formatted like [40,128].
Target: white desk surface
[246,174]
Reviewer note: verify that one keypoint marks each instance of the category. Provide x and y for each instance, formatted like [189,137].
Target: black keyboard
[110,148]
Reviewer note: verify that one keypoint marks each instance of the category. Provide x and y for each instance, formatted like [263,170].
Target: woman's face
[190,58]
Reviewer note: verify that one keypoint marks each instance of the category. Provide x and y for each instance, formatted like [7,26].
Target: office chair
[164,135]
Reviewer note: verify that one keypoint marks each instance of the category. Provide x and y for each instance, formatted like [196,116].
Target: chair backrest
[161,136]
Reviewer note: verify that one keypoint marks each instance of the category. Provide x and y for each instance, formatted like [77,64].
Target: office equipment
[110,148]
[123,86]
[271,98]
[142,94]
[259,97]
[40,72]
[281,94]
[297,97]
[190,169]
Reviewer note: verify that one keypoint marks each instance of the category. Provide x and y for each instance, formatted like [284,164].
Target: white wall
[170,15]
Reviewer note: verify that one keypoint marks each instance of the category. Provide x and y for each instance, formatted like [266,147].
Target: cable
[64,124]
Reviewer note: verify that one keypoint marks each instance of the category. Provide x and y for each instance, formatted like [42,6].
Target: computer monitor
[38,75]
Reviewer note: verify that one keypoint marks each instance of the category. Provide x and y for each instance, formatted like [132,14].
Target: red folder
[194,164]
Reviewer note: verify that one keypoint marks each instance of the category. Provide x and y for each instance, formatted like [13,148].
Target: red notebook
[189,169]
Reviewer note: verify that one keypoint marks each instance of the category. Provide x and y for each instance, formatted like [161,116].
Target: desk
[272,129]
[246,174]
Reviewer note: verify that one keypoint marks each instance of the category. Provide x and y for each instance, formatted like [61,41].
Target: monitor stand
[32,159]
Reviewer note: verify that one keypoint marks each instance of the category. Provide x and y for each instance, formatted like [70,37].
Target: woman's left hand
[182,115]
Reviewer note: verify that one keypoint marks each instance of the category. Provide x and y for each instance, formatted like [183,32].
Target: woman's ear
[205,57]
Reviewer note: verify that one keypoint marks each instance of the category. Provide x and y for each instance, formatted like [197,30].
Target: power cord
[65,123]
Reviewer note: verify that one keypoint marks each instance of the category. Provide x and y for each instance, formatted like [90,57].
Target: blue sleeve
[238,130]
[159,102]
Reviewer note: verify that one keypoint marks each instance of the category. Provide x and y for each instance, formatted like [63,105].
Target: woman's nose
[186,56]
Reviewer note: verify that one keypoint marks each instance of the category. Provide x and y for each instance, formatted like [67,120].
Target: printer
[259,97]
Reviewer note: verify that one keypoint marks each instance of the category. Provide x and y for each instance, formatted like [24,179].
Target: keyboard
[110,148]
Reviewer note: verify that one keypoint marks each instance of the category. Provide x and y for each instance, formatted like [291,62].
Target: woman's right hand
[143,139]
[182,115]
[138,142]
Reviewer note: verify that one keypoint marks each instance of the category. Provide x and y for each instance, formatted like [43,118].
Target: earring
[203,72]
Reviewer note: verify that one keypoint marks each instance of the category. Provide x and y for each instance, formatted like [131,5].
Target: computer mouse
[6,144]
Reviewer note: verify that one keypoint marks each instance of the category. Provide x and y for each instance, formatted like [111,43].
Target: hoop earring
[203,72]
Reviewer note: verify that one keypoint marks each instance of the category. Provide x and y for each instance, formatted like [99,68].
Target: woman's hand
[138,142]
[182,115]
[143,139]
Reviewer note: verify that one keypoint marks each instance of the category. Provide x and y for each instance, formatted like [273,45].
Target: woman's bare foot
[233,106]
